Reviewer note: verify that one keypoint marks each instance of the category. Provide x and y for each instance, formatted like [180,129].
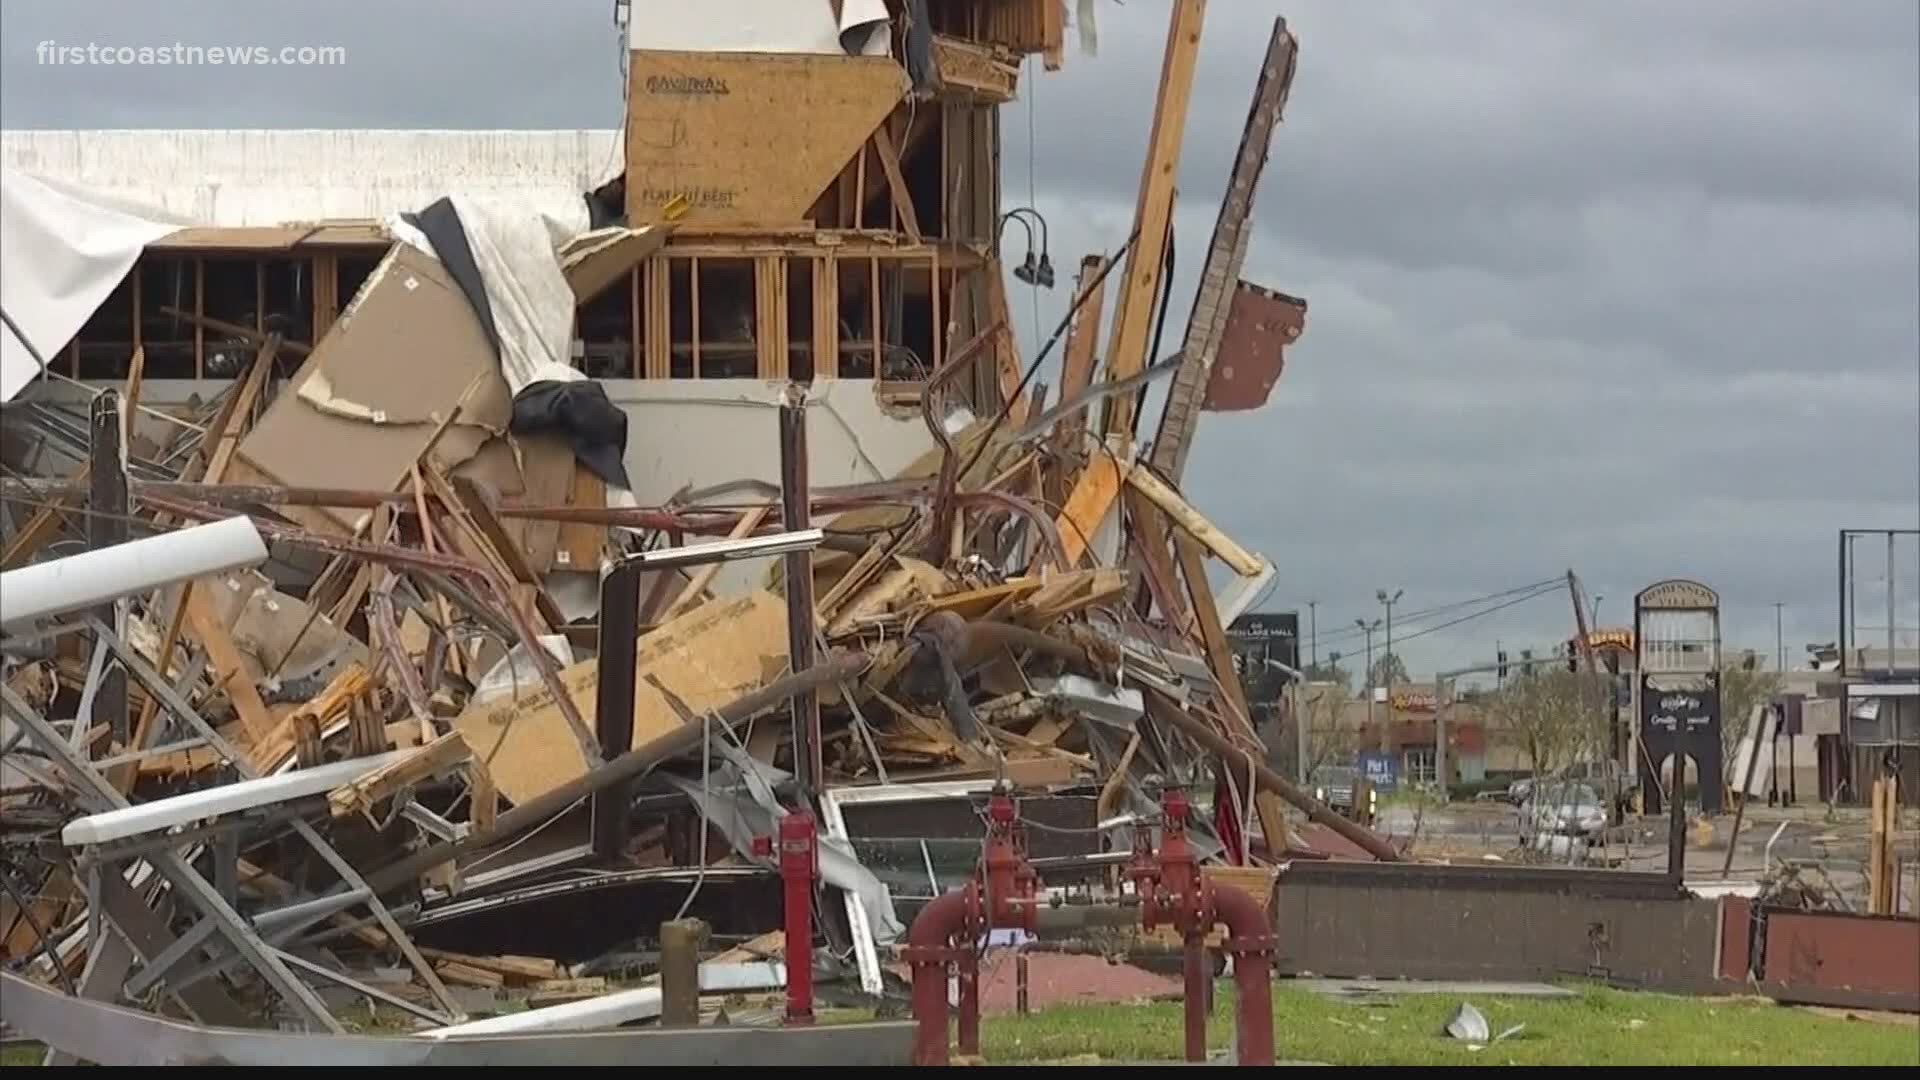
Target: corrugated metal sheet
[245,178]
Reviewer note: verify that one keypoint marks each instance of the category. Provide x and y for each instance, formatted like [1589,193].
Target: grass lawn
[1596,1027]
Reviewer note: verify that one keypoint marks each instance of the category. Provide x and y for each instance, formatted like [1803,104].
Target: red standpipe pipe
[1196,995]
[1250,942]
[928,947]
[799,867]
[970,1003]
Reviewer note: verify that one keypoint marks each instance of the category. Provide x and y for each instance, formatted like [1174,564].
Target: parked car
[1333,785]
[1566,808]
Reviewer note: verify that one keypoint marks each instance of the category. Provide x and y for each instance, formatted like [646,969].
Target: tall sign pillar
[1677,640]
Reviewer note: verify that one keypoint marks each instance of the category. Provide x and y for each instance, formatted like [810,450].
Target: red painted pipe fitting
[799,870]
[1250,943]
[929,950]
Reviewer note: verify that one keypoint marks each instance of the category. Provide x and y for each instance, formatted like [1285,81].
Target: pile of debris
[369,683]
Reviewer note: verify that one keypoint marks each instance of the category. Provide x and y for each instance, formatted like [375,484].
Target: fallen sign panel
[112,1035]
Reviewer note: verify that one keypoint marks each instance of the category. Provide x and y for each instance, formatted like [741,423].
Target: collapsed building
[595,505]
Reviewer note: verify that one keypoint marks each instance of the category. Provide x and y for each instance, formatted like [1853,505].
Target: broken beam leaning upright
[809,763]
[1133,317]
[1226,254]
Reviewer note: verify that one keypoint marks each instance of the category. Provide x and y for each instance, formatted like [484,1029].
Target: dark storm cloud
[1627,287]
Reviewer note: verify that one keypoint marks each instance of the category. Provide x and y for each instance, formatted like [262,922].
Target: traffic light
[1501,657]
[1573,655]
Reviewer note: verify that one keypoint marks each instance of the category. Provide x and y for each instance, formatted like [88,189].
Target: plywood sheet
[747,138]
[708,657]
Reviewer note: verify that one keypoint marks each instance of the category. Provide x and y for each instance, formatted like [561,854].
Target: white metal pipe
[81,581]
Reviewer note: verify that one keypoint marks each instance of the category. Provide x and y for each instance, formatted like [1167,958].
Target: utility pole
[1368,629]
[1313,635]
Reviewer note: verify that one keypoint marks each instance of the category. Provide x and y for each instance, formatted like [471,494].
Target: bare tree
[1329,739]
[1555,716]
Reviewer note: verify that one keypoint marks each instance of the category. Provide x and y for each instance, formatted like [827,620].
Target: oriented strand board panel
[747,138]
[708,657]
[404,353]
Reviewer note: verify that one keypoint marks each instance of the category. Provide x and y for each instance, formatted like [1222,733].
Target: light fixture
[1031,271]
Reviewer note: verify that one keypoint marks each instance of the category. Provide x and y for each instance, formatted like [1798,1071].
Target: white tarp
[771,26]
[62,252]
[514,247]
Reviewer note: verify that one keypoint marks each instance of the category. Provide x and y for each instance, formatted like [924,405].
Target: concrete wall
[1387,920]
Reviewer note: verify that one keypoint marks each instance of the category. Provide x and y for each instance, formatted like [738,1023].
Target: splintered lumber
[1065,594]
[705,658]
[696,586]
[1167,712]
[1140,288]
[1273,820]
[231,676]
[1195,524]
[1076,373]
[455,971]
[526,969]
[869,562]
[349,685]
[482,795]
[976,603]
[1226,255]
[897,184]
[383,783]
[1087,506]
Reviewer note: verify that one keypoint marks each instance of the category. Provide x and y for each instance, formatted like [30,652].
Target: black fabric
[579,409]
[444,230]
[920,63]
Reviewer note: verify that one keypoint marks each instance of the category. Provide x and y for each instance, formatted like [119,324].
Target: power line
[1347,634]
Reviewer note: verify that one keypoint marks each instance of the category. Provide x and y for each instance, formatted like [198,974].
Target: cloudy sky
[1632,288]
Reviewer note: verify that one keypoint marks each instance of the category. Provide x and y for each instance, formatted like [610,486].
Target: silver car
[1562,808]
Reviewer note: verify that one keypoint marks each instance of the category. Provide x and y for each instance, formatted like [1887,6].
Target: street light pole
[1368,629]
[1389,601]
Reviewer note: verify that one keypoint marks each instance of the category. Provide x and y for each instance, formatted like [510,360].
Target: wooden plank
[696,587]
[364,794]
[856,576]
[228,440]
[975,603]
[1076,374]
[1006,349]
[1140,289]
[122,777]
[1092,498]
[770,316]
[326,292]
[1273,820]
[1182,514]
[483,796]
[230,670]
[1151,547]
[659,299]
[883,149]
[455,971]
[1226,255]
[826,318]
[481,536]
[532,969]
